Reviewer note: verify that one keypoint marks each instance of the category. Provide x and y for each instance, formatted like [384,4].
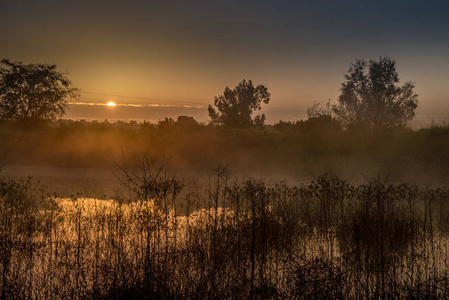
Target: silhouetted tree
[33,91]
[236,106]
[372,98]
[317,111]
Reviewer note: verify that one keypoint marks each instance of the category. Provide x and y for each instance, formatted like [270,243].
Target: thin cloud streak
[135,105]
[140,98]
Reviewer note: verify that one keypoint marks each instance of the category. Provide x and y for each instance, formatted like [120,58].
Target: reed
[225,238]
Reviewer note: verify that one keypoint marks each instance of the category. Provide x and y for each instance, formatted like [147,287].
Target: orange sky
[185,52]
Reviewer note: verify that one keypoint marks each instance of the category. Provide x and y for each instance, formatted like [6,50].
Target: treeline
[304,148]
[226,238]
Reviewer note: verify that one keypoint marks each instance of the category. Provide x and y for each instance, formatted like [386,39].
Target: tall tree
[372,97]
[235,106]
[33,91]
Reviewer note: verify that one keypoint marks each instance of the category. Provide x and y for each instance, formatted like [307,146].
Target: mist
[83,151]
[224,150]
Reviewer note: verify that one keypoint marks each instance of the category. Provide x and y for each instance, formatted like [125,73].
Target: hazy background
[185,52]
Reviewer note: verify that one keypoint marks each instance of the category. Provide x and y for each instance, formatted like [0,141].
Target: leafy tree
[33,91]
[372,98]
[235,107]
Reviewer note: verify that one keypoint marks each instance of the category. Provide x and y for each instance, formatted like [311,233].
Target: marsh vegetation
[361,210]
[226,237]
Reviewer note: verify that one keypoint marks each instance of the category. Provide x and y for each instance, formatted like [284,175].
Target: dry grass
[232,239]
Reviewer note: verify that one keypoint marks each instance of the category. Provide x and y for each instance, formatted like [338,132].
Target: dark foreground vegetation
[226,238]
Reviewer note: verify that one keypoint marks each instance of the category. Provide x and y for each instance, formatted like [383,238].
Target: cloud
[135,105]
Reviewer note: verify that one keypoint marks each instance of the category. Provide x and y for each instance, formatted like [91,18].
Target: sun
[110,104]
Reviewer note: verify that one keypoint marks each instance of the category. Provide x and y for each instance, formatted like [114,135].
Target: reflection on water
[245,239]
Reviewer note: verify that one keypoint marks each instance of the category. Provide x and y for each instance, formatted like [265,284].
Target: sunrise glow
[110,104]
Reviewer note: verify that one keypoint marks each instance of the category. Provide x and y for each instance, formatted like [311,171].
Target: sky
[159,59]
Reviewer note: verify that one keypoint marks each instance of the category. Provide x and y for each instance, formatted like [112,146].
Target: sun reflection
[110,104]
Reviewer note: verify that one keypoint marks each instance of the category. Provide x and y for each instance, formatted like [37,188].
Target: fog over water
[140,191]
